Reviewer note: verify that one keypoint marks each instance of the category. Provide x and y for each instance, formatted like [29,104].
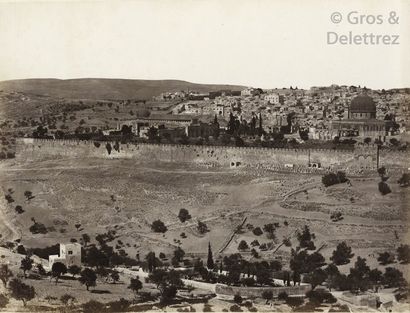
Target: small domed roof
[362,104]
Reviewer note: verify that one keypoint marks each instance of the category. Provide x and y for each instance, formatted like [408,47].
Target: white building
[273,98]
[249,92]
[70,254]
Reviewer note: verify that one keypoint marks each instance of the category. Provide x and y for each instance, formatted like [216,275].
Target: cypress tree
[210,262]
[260,125]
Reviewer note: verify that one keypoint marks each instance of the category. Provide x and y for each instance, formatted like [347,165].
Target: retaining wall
[228,292]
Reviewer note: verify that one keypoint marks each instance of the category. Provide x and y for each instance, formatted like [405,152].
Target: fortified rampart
[213,156]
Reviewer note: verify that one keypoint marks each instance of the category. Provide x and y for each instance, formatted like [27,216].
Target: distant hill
[97,88]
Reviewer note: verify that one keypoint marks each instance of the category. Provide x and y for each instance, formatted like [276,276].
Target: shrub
[41,270]
[38,228]
[108,147]
[267,295]
[21,250]
[381,171]
[235,308]
[336,216]
[184,215]
[19,209]
[237,299]
[257,231]
[253,309]
[403,253]
[202,227]
[254,253]
[342,254]
[247,304]
[305,238]
[9,198]
[21,291]
[384,188]
[249,282]
[93,306]
[243,245]
[74,270]
[116,146]
[367,140]
[28,194]
[334,178]
[393,278]
[88,278]
[320,296]
[58,269]
[158,226]
[255,243]
[385,258]
[270,230]
[404,180]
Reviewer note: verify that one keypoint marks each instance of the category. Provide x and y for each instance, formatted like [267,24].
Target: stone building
[250,92]
[70,254]
[274,98]
[200,129]
[361,120]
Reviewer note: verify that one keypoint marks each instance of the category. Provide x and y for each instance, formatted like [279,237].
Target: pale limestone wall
[219,156]
[394,159]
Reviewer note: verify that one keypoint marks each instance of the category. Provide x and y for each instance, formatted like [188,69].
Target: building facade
[70,254]
[361,120]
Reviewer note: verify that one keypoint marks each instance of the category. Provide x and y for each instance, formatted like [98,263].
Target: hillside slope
[97,88]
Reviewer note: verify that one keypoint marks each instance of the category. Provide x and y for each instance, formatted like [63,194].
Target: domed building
[362,107]
[361,120]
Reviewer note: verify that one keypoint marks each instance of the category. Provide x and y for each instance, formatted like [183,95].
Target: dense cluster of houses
[321,112]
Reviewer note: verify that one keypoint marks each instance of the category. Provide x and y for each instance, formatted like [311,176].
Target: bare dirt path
[7,228]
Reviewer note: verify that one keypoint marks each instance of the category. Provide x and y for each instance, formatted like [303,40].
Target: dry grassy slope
[78,191]
[97,88]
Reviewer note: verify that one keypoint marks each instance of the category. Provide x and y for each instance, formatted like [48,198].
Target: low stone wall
[199,285]
[228,292]
[367,300]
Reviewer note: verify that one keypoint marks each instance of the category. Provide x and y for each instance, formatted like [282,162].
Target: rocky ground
[122,195]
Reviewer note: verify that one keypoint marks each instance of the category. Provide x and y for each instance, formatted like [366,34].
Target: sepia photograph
[204,156]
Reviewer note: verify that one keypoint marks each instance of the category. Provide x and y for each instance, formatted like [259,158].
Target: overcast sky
[254,43]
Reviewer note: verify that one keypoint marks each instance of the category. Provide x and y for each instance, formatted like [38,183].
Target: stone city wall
[218,156]
[394,159]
